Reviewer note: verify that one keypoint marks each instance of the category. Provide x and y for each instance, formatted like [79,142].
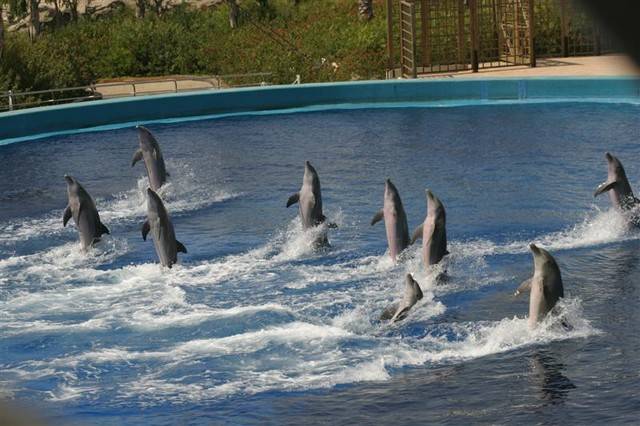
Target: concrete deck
[585,66]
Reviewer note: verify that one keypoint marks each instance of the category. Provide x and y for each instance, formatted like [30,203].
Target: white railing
[11,100]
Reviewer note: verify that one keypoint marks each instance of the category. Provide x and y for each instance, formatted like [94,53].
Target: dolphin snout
[68,178]
[534,248]
[429,193]
[608,156]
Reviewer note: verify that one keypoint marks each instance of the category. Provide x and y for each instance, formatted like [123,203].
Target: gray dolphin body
[395,220]
[159,224]
[545,285]
[617,184]
[309,200]
[399,311]
[154,162]
[433,232]
[84,212]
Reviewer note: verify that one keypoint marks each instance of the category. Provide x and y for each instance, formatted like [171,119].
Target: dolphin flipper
[180,247]
[417,233]
[137,156]
[293,199]
[66,216]
[102,229]
[377,217]
[145,230]
[603,187]
[525,286]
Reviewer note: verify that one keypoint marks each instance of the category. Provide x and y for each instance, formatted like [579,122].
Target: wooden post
[475,40]
[532,35]
[564,28]
[424,33]
[390,60]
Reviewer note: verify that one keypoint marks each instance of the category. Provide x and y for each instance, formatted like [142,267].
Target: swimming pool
[255,326]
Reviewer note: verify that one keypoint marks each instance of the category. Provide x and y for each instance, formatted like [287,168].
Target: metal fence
[12,100]
[455,35]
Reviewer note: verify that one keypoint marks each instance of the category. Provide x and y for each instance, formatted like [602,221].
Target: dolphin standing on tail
[545,285]
[618,186]
[433,232]
[399,311]
[84,212]
[159,224]
[309,199]
[154,162]
[395,220]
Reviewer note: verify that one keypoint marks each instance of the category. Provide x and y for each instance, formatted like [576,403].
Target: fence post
[10,100]
[532,35]
[564,28]
[596,39]
[175,85]
[461,40]
[390,61]
[424,33]
[133,85]
[473,13]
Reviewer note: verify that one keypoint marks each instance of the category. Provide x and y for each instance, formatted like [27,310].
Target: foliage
[184,41]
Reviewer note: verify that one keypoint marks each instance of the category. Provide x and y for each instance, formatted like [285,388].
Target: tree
[1,28]
[141,8]
[72,5]
[365,9]
[234,12]
[34,19]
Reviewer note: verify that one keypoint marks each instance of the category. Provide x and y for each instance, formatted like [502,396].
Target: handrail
[92,91]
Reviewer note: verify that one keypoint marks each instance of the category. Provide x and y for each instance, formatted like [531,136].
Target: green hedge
[184,41]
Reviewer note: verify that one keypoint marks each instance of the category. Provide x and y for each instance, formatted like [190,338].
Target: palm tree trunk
[141,8]
[365,9]
[34,19]
[234,12]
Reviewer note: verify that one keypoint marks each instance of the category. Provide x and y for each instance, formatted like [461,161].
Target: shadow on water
[546,373]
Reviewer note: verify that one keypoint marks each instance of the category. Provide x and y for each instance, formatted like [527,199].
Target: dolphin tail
[417,233]
[377,217]
[66,216]
[137,156]
[293,199]
[180,247]
[102,229]
[145,230]
[604,187]
[525,286]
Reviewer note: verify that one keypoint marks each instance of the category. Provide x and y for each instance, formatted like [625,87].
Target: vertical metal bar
[424,32]
[390,59]
[564,24]
[461,39]
[596,39]
[532,35]
[473,11]
[175,85]
[414,67]
[10,100]
[133,85]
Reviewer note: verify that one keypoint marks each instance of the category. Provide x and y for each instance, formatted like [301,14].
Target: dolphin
[395,220]
[545,285]
[159,224]
[309,200]
[433,232]
[84,212]
[399,311]
[154,162]
[617,184]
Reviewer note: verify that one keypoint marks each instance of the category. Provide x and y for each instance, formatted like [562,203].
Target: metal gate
[408,39]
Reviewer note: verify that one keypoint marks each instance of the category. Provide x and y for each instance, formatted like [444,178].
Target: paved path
[605,65]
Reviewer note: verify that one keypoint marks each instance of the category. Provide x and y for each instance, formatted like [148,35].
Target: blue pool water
[253,326]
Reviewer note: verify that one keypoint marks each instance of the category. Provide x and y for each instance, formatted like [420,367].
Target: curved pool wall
[86,116]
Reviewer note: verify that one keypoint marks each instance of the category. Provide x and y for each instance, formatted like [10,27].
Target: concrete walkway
[585,66]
